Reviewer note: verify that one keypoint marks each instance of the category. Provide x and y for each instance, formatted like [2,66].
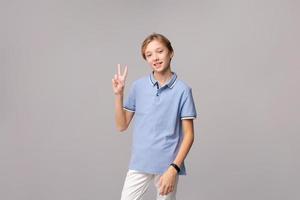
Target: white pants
[136,184]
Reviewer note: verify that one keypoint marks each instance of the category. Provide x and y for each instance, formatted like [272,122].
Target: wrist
[176,167]
[172,170]
[121,94]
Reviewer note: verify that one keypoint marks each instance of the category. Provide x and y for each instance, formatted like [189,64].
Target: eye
[148,55]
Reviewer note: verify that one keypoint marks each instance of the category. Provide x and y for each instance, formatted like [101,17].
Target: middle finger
[125,72]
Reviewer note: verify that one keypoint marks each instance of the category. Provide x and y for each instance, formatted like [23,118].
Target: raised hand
[118,82]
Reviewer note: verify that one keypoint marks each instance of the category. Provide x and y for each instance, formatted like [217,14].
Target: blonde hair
[159,37]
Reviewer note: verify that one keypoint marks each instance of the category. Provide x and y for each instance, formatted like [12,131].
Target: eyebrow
[159,48]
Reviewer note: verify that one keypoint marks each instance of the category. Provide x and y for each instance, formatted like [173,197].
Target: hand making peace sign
[118,82]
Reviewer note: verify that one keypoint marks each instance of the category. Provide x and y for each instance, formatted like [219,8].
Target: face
[158,56]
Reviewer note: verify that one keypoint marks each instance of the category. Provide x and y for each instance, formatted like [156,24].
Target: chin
[158,69]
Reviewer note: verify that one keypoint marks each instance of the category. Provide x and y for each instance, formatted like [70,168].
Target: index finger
[119,70]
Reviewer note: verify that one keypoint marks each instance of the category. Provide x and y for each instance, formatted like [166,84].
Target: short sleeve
[129,104]
[188,110]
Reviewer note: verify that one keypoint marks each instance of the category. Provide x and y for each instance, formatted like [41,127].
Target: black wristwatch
[176,167]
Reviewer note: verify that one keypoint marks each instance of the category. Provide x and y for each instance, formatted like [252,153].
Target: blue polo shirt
[157,131]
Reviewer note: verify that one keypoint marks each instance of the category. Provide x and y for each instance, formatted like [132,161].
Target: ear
[171,55]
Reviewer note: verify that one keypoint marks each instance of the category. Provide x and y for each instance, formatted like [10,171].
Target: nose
[155,57]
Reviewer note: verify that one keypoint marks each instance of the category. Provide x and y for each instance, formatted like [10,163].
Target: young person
[163,110]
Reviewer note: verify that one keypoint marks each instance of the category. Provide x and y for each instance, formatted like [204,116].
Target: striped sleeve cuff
[130,110]
[188,117]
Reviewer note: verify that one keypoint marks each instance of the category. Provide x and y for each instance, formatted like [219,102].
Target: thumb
[113,82]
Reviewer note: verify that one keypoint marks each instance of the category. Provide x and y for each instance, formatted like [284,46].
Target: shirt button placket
[157,96]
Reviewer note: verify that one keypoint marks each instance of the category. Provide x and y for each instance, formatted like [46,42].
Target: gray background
[57,58]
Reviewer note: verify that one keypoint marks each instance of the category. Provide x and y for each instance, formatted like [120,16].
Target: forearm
[120,116]
[185,147]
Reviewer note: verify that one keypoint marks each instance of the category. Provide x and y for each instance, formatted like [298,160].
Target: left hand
[167,181]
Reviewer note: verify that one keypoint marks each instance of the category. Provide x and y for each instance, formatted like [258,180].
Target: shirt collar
[170,83]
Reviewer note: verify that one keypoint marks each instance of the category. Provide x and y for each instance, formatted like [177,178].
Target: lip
[155,64]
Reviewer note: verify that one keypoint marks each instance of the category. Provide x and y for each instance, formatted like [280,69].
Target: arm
[188,139]
[167,180]
[122,117]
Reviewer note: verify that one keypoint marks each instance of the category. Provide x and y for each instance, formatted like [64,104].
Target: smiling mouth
[158,63]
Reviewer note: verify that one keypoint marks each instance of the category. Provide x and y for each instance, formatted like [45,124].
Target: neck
[163,77]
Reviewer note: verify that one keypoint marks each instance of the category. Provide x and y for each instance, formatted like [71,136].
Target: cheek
[148,60]
[167,57]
